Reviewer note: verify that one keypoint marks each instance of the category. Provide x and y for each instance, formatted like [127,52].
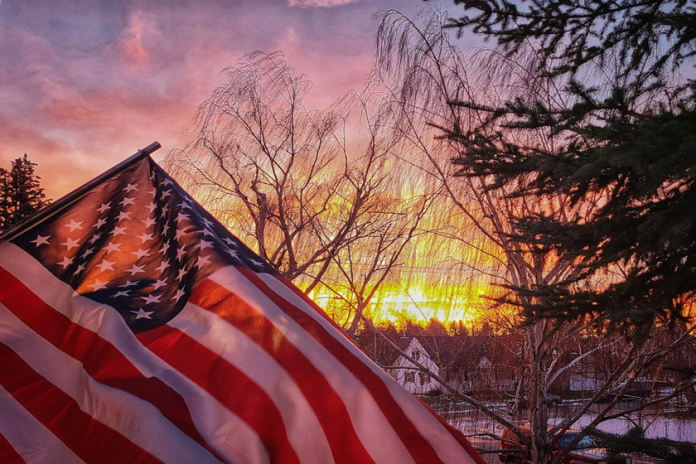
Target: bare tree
[332,210]
[366,264]
[432,87]
[278,173]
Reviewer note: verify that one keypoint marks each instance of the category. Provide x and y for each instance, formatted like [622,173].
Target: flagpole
[76,194]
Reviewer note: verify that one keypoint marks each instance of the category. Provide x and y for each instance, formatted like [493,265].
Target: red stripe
[88,438]
[8,455]
[101,360]
[459,436]
[326,404]
[419,448]
[227,384]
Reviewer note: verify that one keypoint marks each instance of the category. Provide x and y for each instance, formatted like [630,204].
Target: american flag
[135,328]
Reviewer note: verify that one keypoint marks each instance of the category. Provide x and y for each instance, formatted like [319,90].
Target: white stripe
[137,420]
[372,428]
[234,346]
[428,425]
[288,295]
[230,436]
[30,439]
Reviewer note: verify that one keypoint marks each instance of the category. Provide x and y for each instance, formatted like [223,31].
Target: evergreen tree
[456,328]
[627,140]
[435,328]
[20,192]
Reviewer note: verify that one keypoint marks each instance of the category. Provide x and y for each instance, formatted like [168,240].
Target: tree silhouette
[487,114]
[625,135]
[20,192]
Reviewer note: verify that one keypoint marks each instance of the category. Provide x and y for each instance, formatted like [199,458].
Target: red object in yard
[584,452]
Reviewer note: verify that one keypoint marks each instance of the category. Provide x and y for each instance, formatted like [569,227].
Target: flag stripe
[327,405]
[241,351]
[375,432]
[101,359]
[273,280]
[214,421]
[419,448]
[30,439]
[8,455]
[229,385]
[137,420]
[91,440]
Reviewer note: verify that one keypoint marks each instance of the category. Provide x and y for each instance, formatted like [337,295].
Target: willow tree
[445,103]
[318,193]
[277,173]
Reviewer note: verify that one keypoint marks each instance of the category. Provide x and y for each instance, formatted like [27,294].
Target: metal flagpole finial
[48,211]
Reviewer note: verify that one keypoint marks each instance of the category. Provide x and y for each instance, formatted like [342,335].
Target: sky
[86,83]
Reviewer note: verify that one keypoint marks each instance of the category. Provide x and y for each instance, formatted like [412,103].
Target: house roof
[448,352]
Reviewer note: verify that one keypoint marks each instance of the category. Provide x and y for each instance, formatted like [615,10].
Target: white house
[408,374]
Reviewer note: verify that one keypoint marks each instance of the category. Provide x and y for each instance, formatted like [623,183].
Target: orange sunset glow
[85,84]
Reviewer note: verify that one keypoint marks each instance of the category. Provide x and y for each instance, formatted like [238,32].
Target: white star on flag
[70,243]
[98,285]
[66,262]
[41,240]
[142,313]
[130,187]
[74,225]
[106,266]
[136,269]
[86,253]
[151,299]
[112,246]
[233,253]
[140,253]
[164,265]
[145,237]
[179,294]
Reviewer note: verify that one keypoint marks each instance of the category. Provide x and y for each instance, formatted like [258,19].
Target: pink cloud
[133,51]
[81,92]
[319,3]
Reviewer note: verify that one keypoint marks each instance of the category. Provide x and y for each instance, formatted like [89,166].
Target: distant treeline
[434,328]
